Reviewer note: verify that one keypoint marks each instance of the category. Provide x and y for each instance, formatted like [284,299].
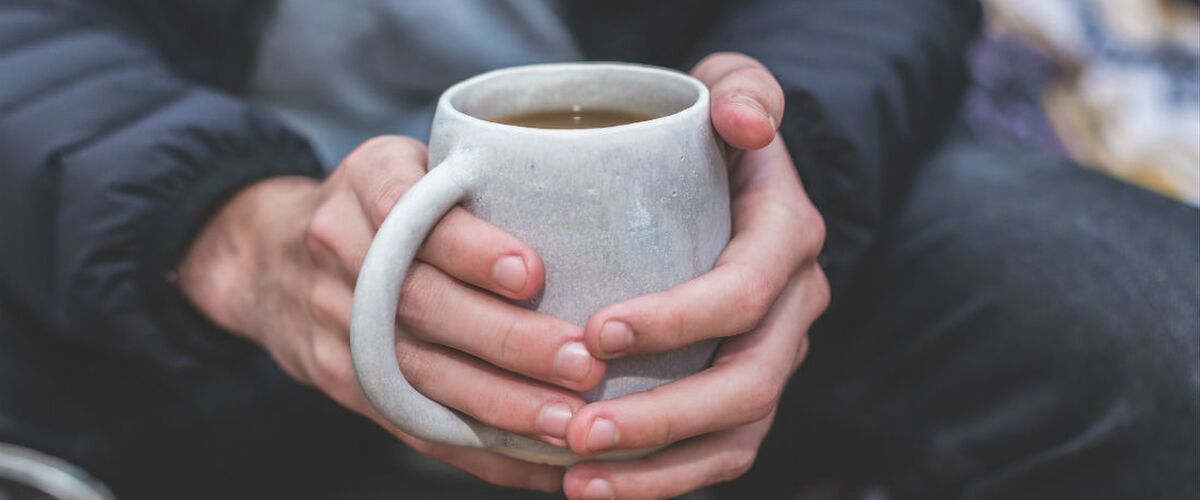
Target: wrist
[222,267]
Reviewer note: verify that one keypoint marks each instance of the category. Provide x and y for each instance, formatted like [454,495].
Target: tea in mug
[575,117]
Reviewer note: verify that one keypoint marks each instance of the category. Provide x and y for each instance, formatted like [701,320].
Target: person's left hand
[763,294]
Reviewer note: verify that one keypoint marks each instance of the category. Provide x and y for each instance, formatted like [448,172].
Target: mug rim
[446,105]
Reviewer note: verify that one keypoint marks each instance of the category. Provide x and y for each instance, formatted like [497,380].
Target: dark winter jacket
[121,130]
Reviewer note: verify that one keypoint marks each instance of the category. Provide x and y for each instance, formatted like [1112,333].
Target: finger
[339,228]
[484,464]
[513,338]
[492,396]
[483,255]
[383,169]
[489,395]
[331,360]
[776,230]
[673,472]
[363,189]
[330,300]
[742,386]
[440,310]
[747,101]
[492,467]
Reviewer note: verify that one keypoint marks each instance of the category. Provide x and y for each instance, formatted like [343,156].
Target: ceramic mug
[614,212]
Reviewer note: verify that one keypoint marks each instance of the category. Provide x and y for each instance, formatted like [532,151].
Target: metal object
[26,474]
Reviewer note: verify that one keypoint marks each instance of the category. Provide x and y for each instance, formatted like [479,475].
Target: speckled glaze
[614,213]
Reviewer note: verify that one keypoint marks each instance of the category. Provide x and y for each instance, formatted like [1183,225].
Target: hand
[762,295]
[278,263]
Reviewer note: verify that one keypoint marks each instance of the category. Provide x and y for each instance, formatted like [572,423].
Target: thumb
[747,101]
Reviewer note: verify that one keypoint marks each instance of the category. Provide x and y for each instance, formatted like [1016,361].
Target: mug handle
[373,321]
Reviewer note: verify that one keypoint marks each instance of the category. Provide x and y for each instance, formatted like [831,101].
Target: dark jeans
[1032,330]
[1028,329]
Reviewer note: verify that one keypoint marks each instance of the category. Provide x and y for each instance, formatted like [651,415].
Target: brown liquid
[576,117]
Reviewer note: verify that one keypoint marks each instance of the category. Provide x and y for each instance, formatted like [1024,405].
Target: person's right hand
[278,263]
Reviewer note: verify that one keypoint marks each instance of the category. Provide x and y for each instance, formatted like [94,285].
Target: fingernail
[509,272]
[573,362]
[545,482]
[602,435]
[615,337]
[553,419]
[599,489]
[749,102]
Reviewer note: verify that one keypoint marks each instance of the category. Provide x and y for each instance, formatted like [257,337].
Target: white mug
[614,212]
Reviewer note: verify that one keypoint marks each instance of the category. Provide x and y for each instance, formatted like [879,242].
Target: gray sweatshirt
[341,72]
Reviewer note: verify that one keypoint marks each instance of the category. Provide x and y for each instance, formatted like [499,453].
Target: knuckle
[513,414]
[319,301]
[817,228]
[353,159]
[752,300]
[664,430]
[801,352]
[319,234]
[508,346]
[490,410]
[362,155]
[737,464]
[811,233]
[822,293]
[760,401]
[382,169]
[386,197]
[383,148]
[422,296]
[752,78]
[728,57]
[415,365]
[332,366]
[674,323]
[401,151]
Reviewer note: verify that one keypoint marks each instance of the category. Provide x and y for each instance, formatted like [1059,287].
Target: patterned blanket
[1115,84]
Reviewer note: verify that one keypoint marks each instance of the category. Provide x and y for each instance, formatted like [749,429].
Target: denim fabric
[1031,330]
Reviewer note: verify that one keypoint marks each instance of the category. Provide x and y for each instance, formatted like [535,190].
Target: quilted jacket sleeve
[870,84]
[109,162]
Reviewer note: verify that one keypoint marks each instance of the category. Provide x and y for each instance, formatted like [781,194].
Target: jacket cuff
[229,164]
[827,162]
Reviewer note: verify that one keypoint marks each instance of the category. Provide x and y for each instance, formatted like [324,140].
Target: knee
[1093,280]
[1083,369]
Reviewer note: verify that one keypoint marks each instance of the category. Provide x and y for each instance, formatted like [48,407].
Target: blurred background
[1113,84]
